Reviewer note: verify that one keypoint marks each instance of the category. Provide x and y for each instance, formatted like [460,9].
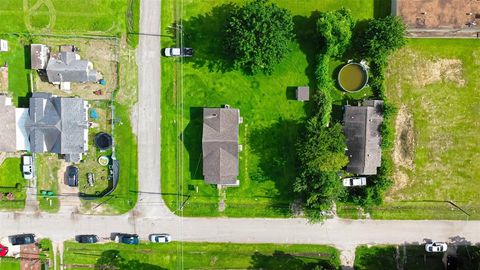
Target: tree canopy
[258,35]
[335,28]
[383,36]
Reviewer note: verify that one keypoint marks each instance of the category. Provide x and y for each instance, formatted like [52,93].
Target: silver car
[160,238]
[436,247]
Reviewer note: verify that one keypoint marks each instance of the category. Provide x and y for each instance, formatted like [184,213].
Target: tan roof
[437,14]
[220,145]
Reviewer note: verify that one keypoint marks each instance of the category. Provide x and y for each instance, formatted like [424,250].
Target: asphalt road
[152,216]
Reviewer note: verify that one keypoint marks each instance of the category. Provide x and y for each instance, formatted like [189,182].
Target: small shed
[3,45]
[303,93]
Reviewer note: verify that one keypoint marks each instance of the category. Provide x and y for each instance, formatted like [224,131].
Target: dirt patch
[4,78]
[404,149]
[103,53]
[423,71]
[30,257]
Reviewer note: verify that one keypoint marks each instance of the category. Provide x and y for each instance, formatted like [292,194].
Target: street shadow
[280,260]
[205,33]
[112,259]
[192,140]
[275,147]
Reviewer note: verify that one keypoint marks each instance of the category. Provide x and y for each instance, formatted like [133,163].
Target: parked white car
[178,52]
[354,181]
[436,247]
[27,167]
[160,238]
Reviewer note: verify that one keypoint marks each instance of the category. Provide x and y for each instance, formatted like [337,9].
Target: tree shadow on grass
[205,34]
[280,260]
[111,259]
[275,147]
[307,36]
[192,139]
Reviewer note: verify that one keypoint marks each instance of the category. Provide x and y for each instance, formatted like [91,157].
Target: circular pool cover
[353,77]
[103,141]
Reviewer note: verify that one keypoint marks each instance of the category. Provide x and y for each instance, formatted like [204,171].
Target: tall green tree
[383,36]
[258,35]
[335,28]
[323,148]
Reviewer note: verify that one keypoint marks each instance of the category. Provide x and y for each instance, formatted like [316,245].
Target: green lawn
[273,120]
[104,17]
[177,255]
[10,176]
[388,257]
[9,264]
[434,83]
[47,171]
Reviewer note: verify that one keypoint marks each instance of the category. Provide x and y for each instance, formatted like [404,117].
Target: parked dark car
[22,239]
[130,239]
[72,172]
[87,239]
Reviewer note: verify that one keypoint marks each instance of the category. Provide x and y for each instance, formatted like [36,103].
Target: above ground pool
[353,77]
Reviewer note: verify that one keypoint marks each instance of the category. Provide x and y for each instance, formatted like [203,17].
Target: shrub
[258,35]
[335,29]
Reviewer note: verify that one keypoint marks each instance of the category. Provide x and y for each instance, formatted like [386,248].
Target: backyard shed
[303,93]
[39,54]
[220,146]
[3,45]
[361,126]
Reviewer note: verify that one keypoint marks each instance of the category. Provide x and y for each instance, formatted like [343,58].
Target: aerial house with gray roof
[58,125]
[361,126]
[220,146]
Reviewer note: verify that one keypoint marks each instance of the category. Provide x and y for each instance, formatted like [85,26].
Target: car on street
[129,239]
[22,239]
[436,247]
[27,167]
[87,238]
[160,238]
[72,173]
[3,250]
[354,181]
[178,52]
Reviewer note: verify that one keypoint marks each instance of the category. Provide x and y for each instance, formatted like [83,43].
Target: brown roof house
[220,145]
[430,18]
[361,126]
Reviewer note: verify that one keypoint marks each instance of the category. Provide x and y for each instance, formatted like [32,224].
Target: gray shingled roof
[303,93]
[8,130]
[362,129]
[57,124]
[68,69]
[220,145]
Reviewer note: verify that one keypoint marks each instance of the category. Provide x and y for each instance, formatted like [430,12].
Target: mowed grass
[47,172]
[177,255]
[9,264]
[392,257]
[273,119]
[437,82]
[104,17]
[10,176]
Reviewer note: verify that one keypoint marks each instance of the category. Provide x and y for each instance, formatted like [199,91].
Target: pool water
[352,77]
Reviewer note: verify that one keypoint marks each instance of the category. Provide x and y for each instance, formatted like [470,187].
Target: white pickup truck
[27,167]
[354,182]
